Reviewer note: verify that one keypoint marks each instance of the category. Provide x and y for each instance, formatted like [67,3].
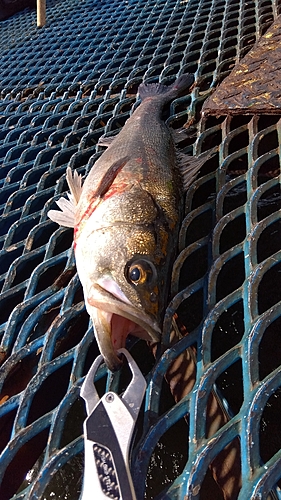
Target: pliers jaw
[108,432]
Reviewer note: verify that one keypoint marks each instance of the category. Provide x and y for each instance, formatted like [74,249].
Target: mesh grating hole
[73,425]
[269,242]
[20,375]
[269,423]
[9,301]
[231,276]
[228,331]
[67,482]
[236,197]
[168,464]
[7,420]
[269,202]
[268,142]
[191,310]
[22,463]
[50,275]
[57,384]
[270,288]
[195,266]
[269,168]
[232,391]
[204,193]
[233,233]
[198,227]
[269,349]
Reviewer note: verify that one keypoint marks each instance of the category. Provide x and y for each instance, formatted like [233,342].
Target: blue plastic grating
[62,87]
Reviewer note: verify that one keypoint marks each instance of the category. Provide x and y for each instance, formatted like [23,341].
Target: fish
[126,218]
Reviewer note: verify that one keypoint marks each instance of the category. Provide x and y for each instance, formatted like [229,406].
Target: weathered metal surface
[253,85]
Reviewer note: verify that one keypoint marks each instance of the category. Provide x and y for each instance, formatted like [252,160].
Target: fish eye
[135,274]
[140,272]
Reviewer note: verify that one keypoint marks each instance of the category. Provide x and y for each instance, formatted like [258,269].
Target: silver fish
[126,220]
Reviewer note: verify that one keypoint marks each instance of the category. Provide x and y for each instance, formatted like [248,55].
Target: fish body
[126,220]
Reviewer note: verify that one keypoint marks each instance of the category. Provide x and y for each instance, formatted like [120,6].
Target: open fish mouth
[115,318]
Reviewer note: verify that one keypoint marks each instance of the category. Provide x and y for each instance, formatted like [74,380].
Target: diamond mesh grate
[62,87]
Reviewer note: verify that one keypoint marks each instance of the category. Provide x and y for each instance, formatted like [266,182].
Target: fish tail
[170,92]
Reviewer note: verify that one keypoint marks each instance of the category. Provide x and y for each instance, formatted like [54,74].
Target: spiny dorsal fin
[66,216]
[190,165]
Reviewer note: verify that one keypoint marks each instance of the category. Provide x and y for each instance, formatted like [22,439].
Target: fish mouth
[114,318]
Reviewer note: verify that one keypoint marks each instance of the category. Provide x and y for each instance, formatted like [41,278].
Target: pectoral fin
[74,183]
[66,215]
[109,177]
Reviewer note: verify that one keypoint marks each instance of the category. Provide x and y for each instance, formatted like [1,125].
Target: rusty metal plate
[254,85]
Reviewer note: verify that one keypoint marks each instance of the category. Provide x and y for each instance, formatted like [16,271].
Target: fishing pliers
[108,432]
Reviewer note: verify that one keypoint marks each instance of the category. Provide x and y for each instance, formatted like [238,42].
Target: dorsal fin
[190,165]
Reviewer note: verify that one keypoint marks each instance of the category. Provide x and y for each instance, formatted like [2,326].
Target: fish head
[122,261]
